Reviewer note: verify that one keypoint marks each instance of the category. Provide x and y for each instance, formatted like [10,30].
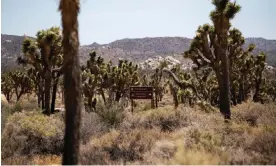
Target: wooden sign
[143,92]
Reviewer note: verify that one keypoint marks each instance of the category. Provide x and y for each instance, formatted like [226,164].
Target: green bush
[112,113]
[27,133]
[18,107]
[7,110]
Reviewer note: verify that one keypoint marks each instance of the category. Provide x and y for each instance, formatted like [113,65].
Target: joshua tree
[49,42]
[92,79]
[173,90]
[180,82]
[7,86]
[259,64]
[210,48]
[157,85]
[124,75]
[72,81]
[43,54]
[32,57]
[17,82]
[271,89]
[37,80]
[57,63]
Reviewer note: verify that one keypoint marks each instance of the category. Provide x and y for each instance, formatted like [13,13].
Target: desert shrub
[111,113]
[184,156]
[92,125]
[32,160]
[119,147]
[255,114]
[146,106]
[206,107]
[164,118]
[32,133]
[198,139]
[5,113]
[235,135]
[248,113]
[7,110]
[160,153]
[265,145]
[18,107]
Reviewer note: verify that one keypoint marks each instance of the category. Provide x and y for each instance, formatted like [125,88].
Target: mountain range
[137,50]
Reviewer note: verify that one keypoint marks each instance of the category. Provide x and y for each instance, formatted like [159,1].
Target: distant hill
[137,50]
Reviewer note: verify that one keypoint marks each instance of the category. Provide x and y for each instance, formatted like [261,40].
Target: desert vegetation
[222,111]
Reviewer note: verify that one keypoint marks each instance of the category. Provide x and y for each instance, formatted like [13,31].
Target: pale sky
[104,21]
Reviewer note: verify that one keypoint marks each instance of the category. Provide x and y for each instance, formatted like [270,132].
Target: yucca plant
[7,86]
[45,53]
[210,48]
[21,83]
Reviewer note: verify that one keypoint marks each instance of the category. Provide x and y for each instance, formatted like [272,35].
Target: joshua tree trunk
[18,94]
[89,104]
[224,84]
[241,96]
[8,96]
[256,97]
[156,98]
[224,99]
[103,96]
[174,95]
[38,99]
[118,96]
[42,99]
[72,81]
[234,97]
[54,94]
[48,80]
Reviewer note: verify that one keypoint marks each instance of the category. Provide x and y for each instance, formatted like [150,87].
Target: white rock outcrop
[152,63]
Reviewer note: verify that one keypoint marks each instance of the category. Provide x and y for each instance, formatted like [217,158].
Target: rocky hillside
[10,49]
[137,50]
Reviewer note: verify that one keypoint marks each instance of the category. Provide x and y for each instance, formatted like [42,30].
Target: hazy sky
[104,21]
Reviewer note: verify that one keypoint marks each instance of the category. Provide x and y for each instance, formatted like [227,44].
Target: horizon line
[138,38]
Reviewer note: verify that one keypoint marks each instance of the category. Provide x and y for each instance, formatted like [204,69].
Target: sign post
[140,92]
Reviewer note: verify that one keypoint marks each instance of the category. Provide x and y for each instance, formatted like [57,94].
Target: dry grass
[161,136]
[164,118]
[91,126]
[31,132]
[33,160]
[120,147]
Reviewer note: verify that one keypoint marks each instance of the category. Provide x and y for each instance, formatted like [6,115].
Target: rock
[59,109]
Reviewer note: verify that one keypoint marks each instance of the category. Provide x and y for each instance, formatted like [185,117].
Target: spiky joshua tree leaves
[210,48]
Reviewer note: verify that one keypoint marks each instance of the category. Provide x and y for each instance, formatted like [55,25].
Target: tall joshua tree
[259,62]
[72,83]
[41,54]
[209,48]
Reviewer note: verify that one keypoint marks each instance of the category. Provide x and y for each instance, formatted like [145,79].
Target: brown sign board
[145,92]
